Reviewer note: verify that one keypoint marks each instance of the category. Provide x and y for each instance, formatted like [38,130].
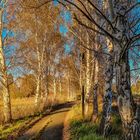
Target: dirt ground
[49,127]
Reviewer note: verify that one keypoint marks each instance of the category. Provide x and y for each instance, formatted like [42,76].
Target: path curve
[49,127]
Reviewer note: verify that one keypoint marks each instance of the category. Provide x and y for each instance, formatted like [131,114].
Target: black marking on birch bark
[95,103]
[105,124]
[127,109]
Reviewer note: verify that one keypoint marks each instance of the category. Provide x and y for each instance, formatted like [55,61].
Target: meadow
[25,107]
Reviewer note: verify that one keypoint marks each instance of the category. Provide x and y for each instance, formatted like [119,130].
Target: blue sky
[135,52]
[66,18]
[65,15]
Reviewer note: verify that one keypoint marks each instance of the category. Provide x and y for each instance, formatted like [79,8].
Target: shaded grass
[80,129]
[84,129]
[116,125]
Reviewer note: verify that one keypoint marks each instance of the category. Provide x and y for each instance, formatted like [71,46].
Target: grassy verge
[85,130]
[7,129]
[19,126]
[82,130]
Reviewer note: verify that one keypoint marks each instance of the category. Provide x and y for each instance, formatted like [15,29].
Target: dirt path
[49,127]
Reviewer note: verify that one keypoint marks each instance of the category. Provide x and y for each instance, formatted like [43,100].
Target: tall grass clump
[80,129]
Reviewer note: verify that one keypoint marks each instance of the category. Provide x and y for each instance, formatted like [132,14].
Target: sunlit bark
[88,76]
[88,71]
[38,74]
[4,77]
[38,93]
[54,87]
[60,86]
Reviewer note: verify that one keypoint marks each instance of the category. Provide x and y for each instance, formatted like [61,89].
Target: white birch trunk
[88,76]
[60,86]
[105,124]
[37,95]
[38,79]
[69,90]
[88,71]
[127,108]
[4,78]
[95,94]
[107,101]
[46,91]
[38,74]
[54,88]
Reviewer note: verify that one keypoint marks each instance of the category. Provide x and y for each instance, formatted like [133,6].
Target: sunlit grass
[9,128]
[25,107]
[23,110]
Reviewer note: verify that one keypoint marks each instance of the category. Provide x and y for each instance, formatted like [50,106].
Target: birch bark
[38,76]
[95,92]
[105,124]
[4,77]
[127,108]
[54,87]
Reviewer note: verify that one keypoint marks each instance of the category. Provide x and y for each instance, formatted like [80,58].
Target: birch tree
[4,5]
[4,76]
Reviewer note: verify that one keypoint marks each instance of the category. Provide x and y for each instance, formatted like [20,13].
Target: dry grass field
[25,107]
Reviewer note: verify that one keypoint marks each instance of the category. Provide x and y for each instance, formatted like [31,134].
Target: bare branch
[132,7]
[91,3]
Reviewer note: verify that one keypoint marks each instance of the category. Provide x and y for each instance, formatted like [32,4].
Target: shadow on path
[49,127]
